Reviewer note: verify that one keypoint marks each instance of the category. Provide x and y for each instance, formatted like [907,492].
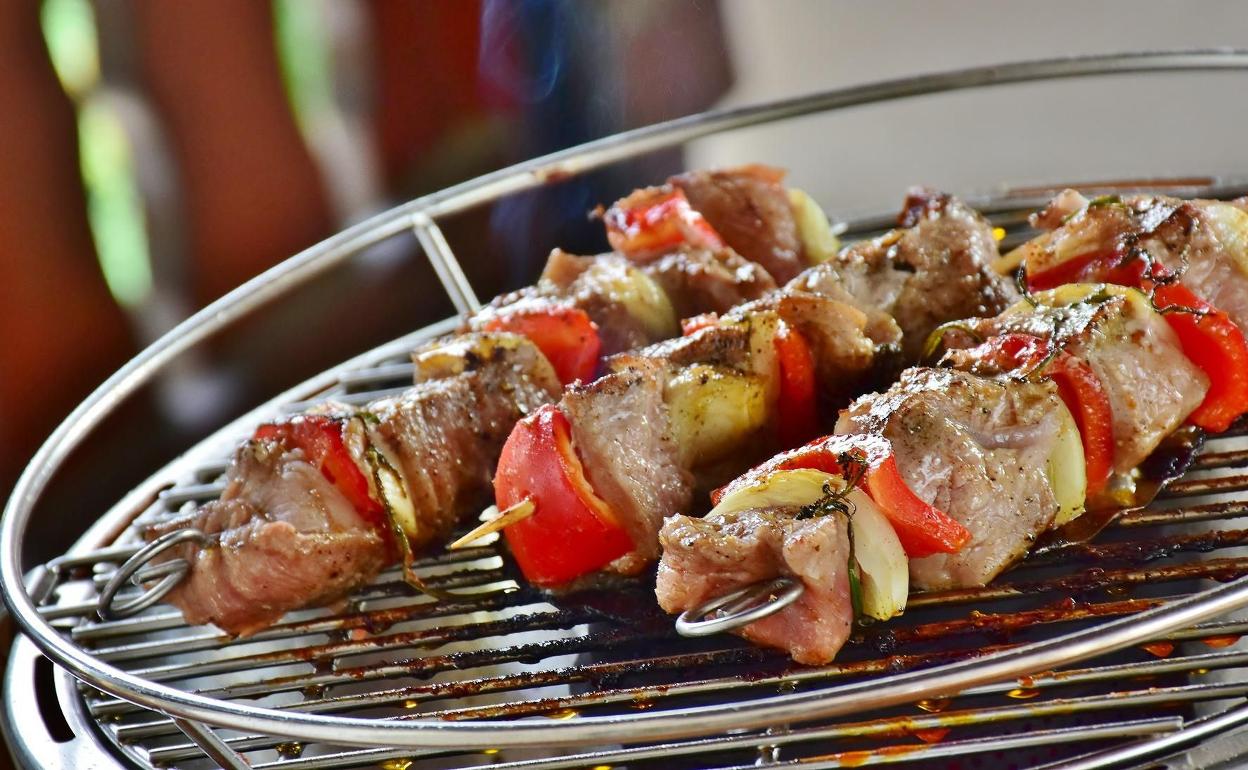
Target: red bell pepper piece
[572,531]
[565,335]
[1106,266]
[1213,342]
[922,528]
[1210,339]
[1077,385]
[654,220]
[797,411]
[320,438]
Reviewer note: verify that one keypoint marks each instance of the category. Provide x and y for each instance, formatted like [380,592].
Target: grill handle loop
[137,570]
[740,607]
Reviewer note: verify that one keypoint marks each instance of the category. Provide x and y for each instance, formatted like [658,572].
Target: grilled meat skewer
[315,505]
[688,414]
[989,441]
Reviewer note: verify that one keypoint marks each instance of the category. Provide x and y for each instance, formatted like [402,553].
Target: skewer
[518,512]
[740,607]
[137,570]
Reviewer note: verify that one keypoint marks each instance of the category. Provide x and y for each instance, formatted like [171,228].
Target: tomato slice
[320,437]
[1077,385]
[655,220]
[572,531]
[922,528]
[565,335]
[797,411]
[1210,339]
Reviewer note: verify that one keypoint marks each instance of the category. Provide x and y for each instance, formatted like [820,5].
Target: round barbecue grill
[1104,654]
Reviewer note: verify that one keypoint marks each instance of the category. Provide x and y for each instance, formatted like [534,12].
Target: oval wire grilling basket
[54,604]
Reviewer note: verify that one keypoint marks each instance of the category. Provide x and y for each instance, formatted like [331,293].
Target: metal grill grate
[505,652]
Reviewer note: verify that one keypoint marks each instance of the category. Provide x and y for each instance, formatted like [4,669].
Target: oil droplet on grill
[934,705]
[602,767]
[563,714]
[933,735]
[1220,641]
[1159,649]
[854,758]
[490,751]
[289,750]
[998,233]
[641,704]
[396,764]
[411,704]
[1118,590]
[1022,693]
[1201,671]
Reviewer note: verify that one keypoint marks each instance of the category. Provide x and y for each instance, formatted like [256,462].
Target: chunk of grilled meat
[285,537]
[908,282]
[706,281]
[1152,386]
[282,536]
[1205,240]
[620,427]
[750,210]
[708,557]
[445,434]
[975,448]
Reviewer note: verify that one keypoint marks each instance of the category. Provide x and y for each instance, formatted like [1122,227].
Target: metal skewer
[137,570]
[740,608]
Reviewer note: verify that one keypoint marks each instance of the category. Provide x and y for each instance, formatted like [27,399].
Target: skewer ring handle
[740,607]
[137,570]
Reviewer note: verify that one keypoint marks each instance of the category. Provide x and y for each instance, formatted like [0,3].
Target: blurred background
[154,155]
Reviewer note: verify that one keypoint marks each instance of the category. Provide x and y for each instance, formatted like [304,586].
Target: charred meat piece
[1206,241]
[750,210]
[620,426]
[1152,387]
[937,269]
[975,448]
[709,557]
